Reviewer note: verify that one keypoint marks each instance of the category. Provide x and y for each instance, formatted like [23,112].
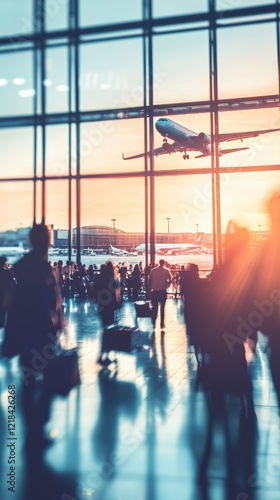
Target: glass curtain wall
[87,94]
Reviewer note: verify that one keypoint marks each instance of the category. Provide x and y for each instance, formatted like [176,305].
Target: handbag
[62,372]
[12,343]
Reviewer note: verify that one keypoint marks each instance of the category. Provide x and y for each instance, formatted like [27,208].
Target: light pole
[114,223]
[259,226]
[197,227]
[168,227]
[114,227]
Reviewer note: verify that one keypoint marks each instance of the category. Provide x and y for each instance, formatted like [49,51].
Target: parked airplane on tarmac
[187,140]
[117,251]
[173,248]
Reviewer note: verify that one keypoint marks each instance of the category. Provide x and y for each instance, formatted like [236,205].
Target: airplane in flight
[175,248]
[185,140]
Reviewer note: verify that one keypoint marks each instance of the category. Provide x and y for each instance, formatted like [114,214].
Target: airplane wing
[223,151]
[168,148]
[158,151]
[233,136]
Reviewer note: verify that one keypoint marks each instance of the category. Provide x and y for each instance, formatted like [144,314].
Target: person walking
[34,317]
[106,291]
[159,280]
[6,284]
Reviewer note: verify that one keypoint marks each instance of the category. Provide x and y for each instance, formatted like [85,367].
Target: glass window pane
[57,161]
[16,17]
[111,75]
[237,4]
[57,88]
[57,198]
[17,152]
[163,8]
[102,145]
[56,14]
[244,199]
[178,70]
[188,212]
[249,65]
[16,83]
[57,203]
[263,149]
[112,213]
[17,200]
[107,12]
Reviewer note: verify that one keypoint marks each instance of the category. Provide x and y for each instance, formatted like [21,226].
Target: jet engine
[204,137]
[169,148]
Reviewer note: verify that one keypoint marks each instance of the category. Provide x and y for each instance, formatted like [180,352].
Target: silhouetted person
[90,273]
[159,280]
[194,292]
[135,282]
[33,320]
[229,299]
[106,292]
[123,275]
[267,291]
[6,285]
[147,271]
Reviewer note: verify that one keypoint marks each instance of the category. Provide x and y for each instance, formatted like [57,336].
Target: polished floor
[143,429]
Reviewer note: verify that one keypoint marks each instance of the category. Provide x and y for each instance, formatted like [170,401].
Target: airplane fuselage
[169,247]
[182,135]
[173,130]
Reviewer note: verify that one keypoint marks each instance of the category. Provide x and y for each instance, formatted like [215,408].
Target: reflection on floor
[142,430]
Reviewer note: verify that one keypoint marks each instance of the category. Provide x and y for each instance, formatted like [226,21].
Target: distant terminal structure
[103,237]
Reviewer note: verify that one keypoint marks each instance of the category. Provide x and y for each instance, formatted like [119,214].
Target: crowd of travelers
[77,279]
[223,313]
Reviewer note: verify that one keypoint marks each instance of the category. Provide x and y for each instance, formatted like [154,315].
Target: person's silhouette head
[39,238]
[109,268]
[236,240]
[193,270]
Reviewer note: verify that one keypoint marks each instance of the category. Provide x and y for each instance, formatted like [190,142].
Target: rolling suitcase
[119,338]
[142,309]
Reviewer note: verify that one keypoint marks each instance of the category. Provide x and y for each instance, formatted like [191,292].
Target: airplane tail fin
[199,239]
